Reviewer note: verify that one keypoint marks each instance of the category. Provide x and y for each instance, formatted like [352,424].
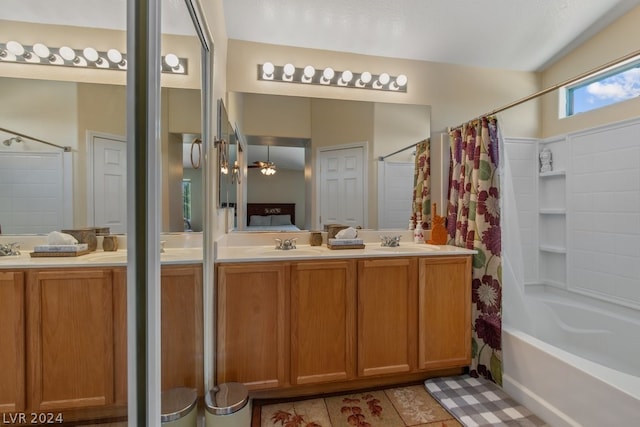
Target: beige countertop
[98,258]
[227,254]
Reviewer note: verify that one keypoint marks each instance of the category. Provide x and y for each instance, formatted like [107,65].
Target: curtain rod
[381,158]
[66,149]
[561,84]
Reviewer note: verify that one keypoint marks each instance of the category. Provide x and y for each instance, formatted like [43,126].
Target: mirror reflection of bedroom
[291,135]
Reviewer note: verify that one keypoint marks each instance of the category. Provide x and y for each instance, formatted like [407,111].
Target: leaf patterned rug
[394,407]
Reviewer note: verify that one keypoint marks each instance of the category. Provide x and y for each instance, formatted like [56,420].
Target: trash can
[228,405]
[179,407]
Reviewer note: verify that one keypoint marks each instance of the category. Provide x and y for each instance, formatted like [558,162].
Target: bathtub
[571,359]
[569,390]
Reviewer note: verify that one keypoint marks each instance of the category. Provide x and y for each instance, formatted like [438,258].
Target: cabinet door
[182,347]
[252,324]
[387,316]
[444,324]
[323,321]
[70,345]
[12,335]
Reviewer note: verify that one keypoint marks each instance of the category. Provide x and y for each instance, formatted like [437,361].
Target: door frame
[365,179]
[91,136]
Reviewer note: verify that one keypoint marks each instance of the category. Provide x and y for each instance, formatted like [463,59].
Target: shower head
[10,141]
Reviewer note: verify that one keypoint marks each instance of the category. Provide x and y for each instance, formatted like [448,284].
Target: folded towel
[79,247]
[58,238]
[347,233]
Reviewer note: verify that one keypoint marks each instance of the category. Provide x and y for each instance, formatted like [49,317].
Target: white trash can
[228,405]
[179,407]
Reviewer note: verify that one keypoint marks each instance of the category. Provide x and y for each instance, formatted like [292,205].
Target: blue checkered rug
[478,402]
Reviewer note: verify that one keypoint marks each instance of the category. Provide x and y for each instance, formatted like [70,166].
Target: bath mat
[407,406]
[479,402]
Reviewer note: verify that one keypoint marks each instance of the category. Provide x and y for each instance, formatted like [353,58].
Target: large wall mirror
[290,131]
[85,109]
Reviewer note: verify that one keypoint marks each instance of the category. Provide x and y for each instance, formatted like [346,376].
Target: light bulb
[115,56]
[172,60]
[401,80]
[309,71]
[268,68]
[42,51]
[347,76]
[384,78]
[67,53]
[328,73]
[288,70]
[365,77]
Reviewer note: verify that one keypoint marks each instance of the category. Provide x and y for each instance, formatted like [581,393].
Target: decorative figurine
[438,230]
[545,160]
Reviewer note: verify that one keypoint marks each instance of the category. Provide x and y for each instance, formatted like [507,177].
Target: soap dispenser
[418,235]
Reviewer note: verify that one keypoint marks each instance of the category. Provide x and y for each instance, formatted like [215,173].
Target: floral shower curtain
[422,185]
[473,222]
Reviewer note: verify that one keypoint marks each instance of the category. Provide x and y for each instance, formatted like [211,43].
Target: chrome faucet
[286,244]
[9,249]
[390,241]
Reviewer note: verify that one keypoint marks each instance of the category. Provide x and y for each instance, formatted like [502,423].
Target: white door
[109,183]
[342,194]
[395,193]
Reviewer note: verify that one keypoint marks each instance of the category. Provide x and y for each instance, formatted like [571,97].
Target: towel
[58,238]
[347,233]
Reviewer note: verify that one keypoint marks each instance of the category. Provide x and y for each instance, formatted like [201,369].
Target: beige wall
[455,93]
[618,39]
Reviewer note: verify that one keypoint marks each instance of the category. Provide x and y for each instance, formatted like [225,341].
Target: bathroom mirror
[65,106]
[275,121]
[226,147]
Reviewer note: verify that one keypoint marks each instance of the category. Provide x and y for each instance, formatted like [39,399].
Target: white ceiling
[518,34]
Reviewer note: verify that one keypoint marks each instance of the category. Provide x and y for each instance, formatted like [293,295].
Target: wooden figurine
[438,230]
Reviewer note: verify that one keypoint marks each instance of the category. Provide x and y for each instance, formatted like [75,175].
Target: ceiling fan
[267,168]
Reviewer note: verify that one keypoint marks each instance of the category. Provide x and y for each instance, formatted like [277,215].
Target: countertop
[98,258]
[228,254]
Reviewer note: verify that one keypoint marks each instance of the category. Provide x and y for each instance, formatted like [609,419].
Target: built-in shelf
[556,211]
[552,173]
[553,249]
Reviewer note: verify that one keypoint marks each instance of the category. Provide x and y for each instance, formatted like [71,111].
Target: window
[608,87]
[186,200]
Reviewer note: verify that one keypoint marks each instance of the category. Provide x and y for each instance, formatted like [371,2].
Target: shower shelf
[552,173]
[553,211]
[553,249]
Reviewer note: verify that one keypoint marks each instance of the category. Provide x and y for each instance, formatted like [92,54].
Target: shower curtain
[473,222]
[422,185]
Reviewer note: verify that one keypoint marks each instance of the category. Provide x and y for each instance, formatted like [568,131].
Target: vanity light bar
[289,73]
[89,57]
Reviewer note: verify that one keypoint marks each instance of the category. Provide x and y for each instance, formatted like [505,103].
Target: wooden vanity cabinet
[252,329]
[182,322]
[444,314]
[323,321]
[12,347]
[387,316]
[319,325]
[71,341]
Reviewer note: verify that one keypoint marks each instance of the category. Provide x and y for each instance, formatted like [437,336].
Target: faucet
[286,244]
[9,249]
[390,241]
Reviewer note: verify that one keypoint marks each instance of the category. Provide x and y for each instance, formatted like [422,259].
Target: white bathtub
[571,359]
[565,389]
